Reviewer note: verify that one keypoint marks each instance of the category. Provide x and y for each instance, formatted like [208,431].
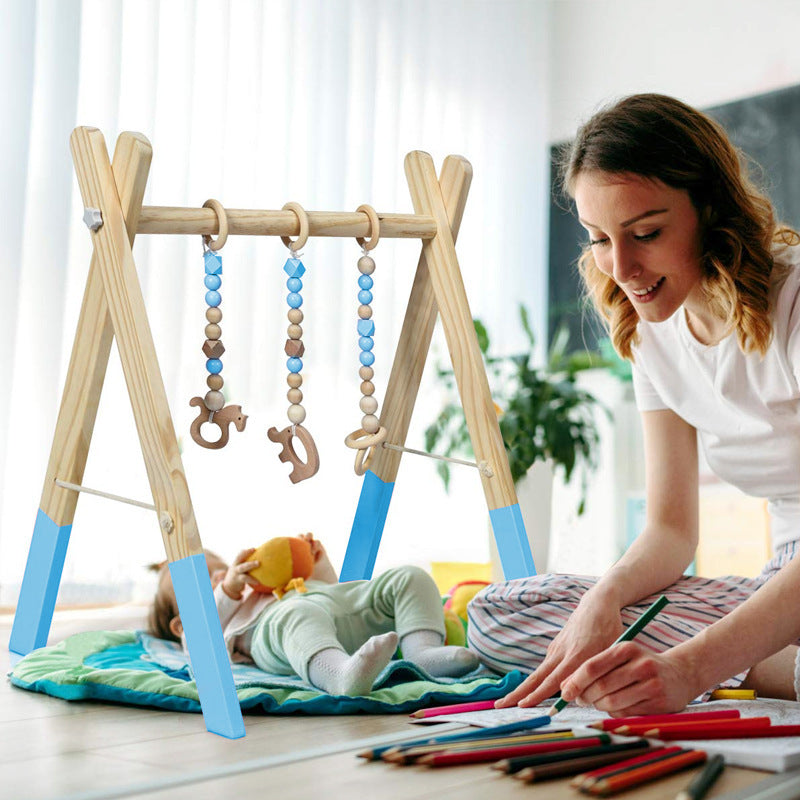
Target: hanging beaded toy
[212,406]
[294,350]
[371,433]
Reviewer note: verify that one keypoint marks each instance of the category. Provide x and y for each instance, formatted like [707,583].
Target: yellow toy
[285,563]
[460,595]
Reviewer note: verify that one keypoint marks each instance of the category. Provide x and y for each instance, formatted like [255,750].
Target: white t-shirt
[746,408]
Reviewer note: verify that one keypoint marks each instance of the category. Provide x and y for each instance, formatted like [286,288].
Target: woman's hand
[593,626]
[236,578]
[628,680]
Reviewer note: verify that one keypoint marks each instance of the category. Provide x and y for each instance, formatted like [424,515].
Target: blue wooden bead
[366,343]
[366,327]
[294,268]
[294,284]
[365,282]
[214,366]
[364,297]
[294,364]
[213,299]
[212,282]
[294,300]
[366,358]
[213,262]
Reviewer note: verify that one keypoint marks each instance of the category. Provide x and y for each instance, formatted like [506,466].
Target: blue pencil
[479,733]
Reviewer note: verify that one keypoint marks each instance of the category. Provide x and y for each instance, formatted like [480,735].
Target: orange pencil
[745,724]
[654,754]
[699,716]
[733,733]
[646,773]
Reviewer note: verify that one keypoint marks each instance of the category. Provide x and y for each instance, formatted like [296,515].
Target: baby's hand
[236,578]
[317,550]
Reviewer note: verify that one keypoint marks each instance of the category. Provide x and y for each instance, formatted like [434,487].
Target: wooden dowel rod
[203,221]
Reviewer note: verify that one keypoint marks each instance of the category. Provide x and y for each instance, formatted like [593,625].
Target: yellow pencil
[733,694]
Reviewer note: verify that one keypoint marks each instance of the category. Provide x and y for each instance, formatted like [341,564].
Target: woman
[700,289]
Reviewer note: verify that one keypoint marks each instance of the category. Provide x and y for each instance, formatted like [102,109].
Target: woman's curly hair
[658,137]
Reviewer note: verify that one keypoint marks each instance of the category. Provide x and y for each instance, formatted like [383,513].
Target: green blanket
[135,668]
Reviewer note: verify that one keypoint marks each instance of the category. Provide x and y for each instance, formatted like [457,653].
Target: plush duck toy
[285,563]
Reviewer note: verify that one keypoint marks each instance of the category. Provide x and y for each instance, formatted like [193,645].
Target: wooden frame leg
[402,390]
[75,423]
[473,386]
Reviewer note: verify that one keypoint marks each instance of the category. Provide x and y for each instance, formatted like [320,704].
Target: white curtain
[257,102]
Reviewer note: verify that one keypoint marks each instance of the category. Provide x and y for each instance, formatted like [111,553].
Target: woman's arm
[656,559]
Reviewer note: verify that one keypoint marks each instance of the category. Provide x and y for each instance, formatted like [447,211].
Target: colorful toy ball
[282,560]
[461,594]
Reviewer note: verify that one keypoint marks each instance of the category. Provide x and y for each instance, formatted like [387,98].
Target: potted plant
[545,418]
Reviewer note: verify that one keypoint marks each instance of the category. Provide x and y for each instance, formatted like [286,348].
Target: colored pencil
[488,754]
[513,765]
[734,694]
[628,634]
[612,724]
[754,733]
[699,787]
[564,768]
[653,754]
[497,730]
[458,708]
[646,773]
[408,755]
[743,724]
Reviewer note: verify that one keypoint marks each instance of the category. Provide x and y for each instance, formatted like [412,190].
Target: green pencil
[625,636]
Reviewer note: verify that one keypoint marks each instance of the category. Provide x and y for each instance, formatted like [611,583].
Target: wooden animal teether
[222,418]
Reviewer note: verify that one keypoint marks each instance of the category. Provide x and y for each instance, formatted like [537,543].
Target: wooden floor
[53,749]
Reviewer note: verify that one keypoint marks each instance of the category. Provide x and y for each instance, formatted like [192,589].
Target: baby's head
[163,620]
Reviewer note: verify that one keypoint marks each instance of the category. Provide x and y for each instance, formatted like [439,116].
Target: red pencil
[708,716]
[654,754]
[734,733]
[648,772]
[745,724]
[510,751]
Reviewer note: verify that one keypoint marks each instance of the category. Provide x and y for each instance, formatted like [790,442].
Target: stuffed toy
[285,563]
[459,596]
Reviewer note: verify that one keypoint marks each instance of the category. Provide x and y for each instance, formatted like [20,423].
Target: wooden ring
[222,223]
[365,444]
[302,218]
[374,227]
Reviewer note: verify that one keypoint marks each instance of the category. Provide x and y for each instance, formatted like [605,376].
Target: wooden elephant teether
[301,469]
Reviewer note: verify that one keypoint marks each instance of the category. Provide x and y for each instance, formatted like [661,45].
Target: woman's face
[646,236]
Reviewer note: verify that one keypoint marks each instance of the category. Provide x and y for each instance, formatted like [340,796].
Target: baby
[336,636]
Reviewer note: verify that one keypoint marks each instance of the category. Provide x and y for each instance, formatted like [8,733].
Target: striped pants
[511,624]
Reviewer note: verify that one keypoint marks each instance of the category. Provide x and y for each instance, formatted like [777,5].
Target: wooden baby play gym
[113,307]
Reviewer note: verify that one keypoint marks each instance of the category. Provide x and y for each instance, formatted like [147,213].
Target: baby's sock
[426,650]
[335,672]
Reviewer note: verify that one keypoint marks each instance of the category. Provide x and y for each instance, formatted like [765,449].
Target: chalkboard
[766,127]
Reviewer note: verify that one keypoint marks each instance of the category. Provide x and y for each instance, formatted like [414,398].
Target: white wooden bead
[213,331]
[214,400]
[213,314]
[369,405]
[294,331]
[294,379]
[366,265]
[370,424]
[367,388]
[366,373]
[295,316]
[296,414]
[294,396]
[365,312]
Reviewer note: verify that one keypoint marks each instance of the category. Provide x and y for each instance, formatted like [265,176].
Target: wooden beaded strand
[295,350]
[371,434]
[212,406]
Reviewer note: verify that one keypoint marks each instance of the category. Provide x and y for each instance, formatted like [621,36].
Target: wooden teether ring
[365,444]
[300,469]
[222,419]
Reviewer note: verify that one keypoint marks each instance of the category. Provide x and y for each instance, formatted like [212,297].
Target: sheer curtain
[257,102]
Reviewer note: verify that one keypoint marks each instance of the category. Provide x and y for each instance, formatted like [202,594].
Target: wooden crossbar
[176,220]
